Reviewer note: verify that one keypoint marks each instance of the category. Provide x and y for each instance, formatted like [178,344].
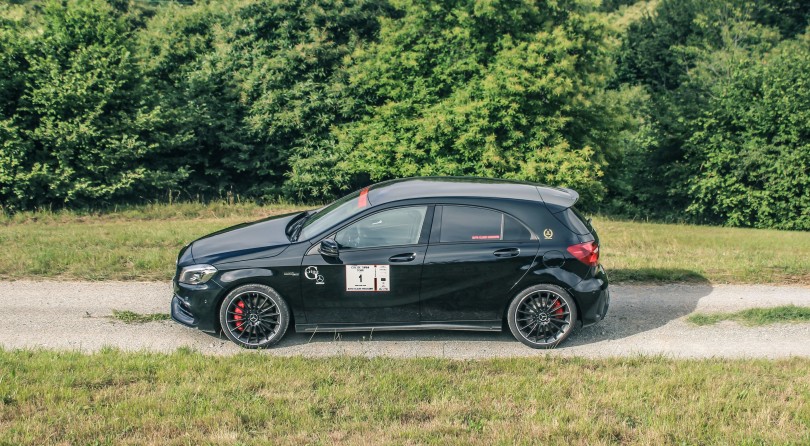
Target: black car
[417,253]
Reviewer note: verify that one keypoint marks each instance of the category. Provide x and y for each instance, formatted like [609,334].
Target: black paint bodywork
[460,285]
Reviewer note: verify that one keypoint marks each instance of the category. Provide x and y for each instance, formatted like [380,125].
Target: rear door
[376,277]
[475,257]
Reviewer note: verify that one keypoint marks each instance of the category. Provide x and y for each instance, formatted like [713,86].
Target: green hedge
[686,110]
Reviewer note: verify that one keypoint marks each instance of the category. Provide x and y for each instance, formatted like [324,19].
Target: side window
[514,230]
[465,224]
[393,227]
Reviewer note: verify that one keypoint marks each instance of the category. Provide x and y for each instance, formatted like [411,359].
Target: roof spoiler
[558,196]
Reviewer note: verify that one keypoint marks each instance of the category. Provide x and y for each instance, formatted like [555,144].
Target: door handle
[506,252]
[403,257]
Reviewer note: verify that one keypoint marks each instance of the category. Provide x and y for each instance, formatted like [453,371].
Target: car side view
[427,253]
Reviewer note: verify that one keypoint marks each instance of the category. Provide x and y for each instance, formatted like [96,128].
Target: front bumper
[181,312]
[197,306]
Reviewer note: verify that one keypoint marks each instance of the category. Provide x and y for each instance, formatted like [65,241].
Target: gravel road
[643,319]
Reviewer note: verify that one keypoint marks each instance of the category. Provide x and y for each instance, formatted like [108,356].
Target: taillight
[587,253]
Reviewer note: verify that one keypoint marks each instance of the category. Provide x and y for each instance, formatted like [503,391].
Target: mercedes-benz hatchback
[410,254]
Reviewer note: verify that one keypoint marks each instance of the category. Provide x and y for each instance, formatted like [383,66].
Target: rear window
[471,224]
[575,221]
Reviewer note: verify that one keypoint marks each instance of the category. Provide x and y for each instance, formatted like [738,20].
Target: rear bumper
[593,298]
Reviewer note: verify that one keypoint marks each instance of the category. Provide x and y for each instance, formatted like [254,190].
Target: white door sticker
[368,278]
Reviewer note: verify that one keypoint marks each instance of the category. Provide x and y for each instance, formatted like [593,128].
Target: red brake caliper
[559,310]
[238,315]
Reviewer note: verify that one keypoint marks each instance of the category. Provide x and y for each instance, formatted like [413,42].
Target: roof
[447,187]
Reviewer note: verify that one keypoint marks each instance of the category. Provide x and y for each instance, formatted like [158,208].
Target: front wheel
[254,316]
[542,316]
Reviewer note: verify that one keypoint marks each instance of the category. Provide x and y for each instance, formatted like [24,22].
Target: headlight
[196,274]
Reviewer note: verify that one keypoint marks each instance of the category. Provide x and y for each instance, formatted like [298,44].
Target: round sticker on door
[311,273]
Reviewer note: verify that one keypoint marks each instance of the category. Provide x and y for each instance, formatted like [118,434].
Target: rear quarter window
[514,230]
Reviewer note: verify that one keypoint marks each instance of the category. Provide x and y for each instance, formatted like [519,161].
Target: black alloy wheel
[542,316]
[254,316]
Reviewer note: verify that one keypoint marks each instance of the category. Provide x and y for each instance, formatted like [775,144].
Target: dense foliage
[674,109]
[751,148]
[724,136]
[508,90]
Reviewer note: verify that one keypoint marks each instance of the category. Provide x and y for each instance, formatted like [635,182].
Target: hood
[263,238]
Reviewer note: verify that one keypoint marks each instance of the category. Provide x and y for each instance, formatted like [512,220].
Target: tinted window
[575,221]
[401,226]
[583,219]
[465,224]
[514,230]
[335,213]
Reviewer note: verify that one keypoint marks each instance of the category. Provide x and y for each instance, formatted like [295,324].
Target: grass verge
[131,317]
[186,398]
[137,243]
[755,316]
[141,243]
[655,252]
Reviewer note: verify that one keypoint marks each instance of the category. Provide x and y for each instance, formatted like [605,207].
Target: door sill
[461,325]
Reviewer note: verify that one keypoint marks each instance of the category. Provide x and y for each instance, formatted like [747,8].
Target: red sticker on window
[362,200]
[486,237]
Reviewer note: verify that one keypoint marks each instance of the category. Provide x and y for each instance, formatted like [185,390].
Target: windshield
[335,213]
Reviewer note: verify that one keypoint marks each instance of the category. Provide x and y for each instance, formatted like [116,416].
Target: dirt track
[644,319]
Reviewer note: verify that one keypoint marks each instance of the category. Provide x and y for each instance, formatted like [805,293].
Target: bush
[506,89]
[80,132]
[752,148]
[680,111]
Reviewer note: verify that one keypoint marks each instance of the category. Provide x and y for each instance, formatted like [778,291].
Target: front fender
[285,280]
[230,278]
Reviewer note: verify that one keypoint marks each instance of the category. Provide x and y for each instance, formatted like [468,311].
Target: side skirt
[462,325]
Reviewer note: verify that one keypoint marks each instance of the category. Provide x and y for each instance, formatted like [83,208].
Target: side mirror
[329,248]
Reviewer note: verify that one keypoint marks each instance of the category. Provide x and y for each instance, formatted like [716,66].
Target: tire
[254,316]
[549,311]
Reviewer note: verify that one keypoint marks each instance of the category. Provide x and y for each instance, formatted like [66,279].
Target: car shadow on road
[634,309]
[638,308]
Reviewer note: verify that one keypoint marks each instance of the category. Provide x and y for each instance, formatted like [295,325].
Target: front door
[375,279]
[473,262]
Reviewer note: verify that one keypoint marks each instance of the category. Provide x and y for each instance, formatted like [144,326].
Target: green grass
[176,211]
[655,252]
[141,243]
[187,398]
[755,316]
[138,243]
[131,317]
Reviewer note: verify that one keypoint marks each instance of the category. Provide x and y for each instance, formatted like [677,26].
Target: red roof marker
[362,200]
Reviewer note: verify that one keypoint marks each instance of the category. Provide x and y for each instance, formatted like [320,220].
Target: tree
[680,53]
[182,55]
[751,153]
[14,147]
[84,133]
[504,89]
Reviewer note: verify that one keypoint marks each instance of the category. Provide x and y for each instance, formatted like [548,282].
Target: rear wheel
[254,316]
[542,316]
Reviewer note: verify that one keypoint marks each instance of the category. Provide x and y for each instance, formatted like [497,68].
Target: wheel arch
[550,334]
[549,280]
[258,279]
